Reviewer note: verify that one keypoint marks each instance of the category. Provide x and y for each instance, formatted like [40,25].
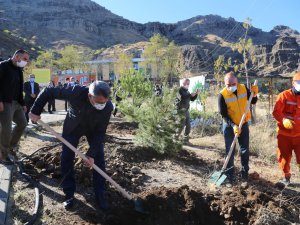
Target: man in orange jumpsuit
[287,115]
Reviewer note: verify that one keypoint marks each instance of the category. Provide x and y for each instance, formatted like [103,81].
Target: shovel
[218,177]
[138,206]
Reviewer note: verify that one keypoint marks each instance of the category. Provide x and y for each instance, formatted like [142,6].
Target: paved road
[6,171]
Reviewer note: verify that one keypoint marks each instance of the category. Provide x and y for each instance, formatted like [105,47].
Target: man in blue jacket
[88,115]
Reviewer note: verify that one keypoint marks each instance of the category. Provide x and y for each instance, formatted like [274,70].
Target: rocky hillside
[52,23]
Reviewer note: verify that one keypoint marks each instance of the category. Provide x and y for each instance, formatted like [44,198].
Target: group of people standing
[91,108]
[232,102]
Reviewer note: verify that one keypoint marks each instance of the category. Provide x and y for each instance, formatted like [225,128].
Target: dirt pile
[184,206]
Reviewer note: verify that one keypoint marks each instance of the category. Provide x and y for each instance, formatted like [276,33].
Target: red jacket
[288,106]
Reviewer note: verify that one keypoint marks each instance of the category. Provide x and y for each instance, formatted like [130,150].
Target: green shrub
[157,116]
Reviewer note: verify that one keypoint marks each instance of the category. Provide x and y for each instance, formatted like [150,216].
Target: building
[105,68]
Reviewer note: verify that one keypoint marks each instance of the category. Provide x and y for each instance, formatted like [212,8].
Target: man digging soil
[88,115]
[232,102]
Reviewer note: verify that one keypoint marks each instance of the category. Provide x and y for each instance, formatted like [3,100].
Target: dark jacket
[184,98]
[82,118]
[11,82]
[27,91]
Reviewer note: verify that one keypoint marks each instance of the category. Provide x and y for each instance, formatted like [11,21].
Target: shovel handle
[240,127]
[83,156]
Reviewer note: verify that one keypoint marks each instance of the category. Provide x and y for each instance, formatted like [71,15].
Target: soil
[173,191]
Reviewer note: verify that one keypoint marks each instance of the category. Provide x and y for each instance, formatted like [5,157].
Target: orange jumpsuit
[287,106]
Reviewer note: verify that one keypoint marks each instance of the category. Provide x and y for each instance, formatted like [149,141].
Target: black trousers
[51,105]
[28,104]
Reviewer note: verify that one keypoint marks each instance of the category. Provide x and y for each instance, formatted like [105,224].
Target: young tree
[133,84]
[221,66]
[157,116]
[45,59]
[124,63]
[163,56]
[170,62]
[73,56]
[245,47]
[69,58]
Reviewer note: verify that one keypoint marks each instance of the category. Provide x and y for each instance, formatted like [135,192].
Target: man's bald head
[230,80]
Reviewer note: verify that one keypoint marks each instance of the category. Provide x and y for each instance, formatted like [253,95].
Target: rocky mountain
[52,23]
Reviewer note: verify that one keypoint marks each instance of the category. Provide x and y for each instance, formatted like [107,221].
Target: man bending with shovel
[232,102]
[88,115]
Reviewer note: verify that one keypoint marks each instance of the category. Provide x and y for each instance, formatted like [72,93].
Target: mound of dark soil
[180,206]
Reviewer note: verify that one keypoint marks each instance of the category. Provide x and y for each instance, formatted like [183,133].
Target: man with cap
[232,102]
[287,114]
[31,90]
[88,115]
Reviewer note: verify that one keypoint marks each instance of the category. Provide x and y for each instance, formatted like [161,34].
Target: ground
[174,190]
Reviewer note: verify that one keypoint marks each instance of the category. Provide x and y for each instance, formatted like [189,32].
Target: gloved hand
[288,124]
[254,89]
[236,130]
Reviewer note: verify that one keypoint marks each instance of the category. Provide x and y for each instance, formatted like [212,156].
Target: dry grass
[263,142]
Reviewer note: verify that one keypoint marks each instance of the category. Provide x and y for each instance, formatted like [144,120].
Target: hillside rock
[281,58]
[53,24]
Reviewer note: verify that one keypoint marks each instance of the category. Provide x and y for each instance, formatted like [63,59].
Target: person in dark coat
[12,105]
[89,115]
[51,102]
[66,84]
[31,90]
[184,98]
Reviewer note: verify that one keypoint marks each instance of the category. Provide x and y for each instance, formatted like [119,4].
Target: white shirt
[32,87]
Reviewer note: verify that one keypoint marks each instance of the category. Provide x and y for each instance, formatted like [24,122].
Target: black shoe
[33,122]
[244,177]
[228,183]
[50,112]
[54,110]
[6,161]
[68,203]
[102,204]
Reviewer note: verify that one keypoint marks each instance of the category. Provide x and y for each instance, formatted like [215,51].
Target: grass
[263,142]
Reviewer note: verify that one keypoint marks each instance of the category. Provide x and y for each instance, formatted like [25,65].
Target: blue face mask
[31,79]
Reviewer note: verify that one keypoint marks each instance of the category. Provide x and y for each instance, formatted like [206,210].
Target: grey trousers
[9,138]
[186,125]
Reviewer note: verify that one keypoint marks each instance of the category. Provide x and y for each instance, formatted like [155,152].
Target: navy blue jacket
[82,118]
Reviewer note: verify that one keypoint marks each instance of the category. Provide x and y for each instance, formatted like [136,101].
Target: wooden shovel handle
[81,155]
[240,127]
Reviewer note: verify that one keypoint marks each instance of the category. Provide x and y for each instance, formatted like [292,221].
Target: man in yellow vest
[232,102]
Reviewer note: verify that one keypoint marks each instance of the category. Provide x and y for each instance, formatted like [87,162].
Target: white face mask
[186,87]
[232,88]
[22,63]
[99,106]
[297,87]
[31,79]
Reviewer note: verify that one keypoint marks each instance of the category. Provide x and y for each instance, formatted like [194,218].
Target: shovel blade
[217,178]
[221,180]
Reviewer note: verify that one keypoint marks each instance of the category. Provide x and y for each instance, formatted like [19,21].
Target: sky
[265,14]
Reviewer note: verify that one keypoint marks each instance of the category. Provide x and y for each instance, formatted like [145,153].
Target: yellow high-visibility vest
[236,105]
